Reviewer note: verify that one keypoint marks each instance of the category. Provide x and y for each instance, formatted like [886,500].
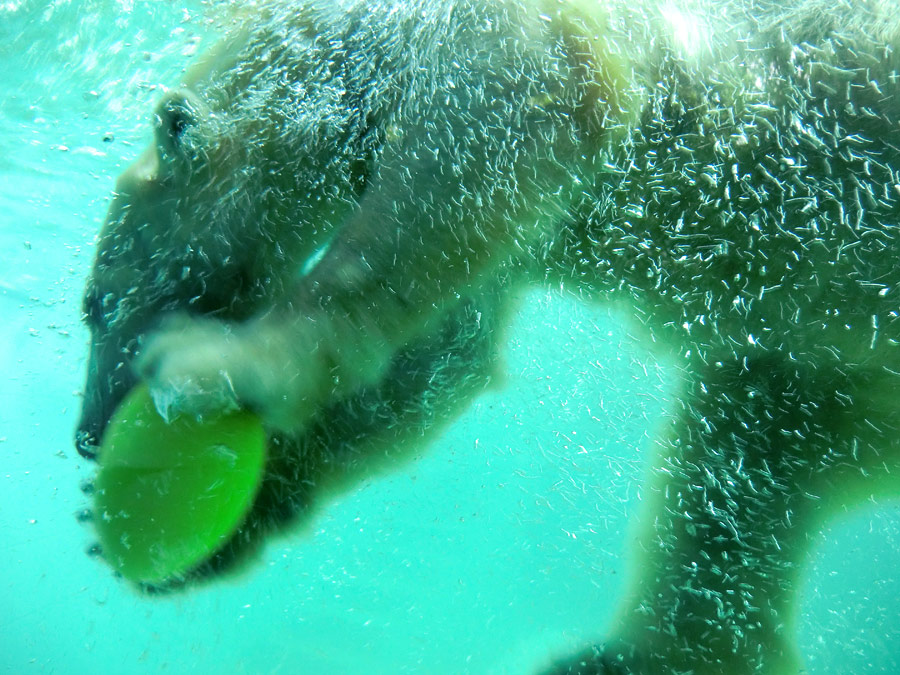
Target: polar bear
[344,200]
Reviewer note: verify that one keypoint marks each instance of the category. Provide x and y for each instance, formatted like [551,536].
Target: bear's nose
[86,443]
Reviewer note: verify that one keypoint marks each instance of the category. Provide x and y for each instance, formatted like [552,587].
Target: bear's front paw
[202,367]
[616,657]
[190,367]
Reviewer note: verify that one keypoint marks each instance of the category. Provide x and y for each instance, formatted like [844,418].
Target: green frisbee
[169,495]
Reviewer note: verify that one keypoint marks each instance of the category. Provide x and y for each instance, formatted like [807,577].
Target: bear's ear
[176,113]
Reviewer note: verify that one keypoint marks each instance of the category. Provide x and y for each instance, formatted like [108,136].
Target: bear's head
[462,120]
[448,136]
[261,150]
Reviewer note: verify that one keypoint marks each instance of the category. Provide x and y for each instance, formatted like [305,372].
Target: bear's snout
[96,410]
[94,416]
[86,442]
[109,379]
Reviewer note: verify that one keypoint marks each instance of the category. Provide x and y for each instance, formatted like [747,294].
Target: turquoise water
[502,544]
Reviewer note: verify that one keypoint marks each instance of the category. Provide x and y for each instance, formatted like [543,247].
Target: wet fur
[739,191]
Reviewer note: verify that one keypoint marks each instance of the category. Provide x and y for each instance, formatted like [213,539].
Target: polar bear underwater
[344,200]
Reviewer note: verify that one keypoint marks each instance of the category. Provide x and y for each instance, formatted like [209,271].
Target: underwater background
[500,546]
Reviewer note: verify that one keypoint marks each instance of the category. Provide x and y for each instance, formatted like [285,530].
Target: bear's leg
[762,451]
[378,428]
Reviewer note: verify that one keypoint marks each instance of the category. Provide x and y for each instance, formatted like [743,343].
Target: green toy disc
[169,495]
